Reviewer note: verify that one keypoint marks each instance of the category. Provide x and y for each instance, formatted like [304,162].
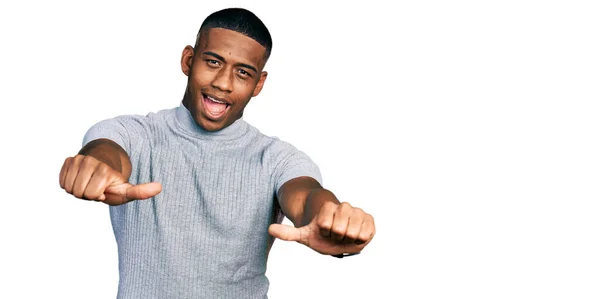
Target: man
[195,191]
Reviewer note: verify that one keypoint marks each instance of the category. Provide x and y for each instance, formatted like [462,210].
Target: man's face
[224,72]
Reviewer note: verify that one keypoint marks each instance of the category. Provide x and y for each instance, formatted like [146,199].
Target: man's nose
[224,80]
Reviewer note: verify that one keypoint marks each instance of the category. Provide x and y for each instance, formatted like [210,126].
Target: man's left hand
[337,229]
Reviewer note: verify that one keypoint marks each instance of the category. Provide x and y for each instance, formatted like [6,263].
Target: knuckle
[90,194]
[68,186]
[367,235]
[324,223]
[78,158]
[329,206]
[103,169]
[345,205]
[363,239]
[351,234]
[338,229]
[77,191]
[87,160]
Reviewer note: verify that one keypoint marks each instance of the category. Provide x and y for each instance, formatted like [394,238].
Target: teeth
[216,101]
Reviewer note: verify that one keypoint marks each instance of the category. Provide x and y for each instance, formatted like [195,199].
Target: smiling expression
[224,72]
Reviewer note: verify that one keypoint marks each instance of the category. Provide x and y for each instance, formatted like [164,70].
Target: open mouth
[215,108]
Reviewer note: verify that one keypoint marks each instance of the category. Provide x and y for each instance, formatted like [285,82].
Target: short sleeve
[292,163]
[124,130]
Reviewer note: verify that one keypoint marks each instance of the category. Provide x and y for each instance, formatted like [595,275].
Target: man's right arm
[100,172]
[109,152]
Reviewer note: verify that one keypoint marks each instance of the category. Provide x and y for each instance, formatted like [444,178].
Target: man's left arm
[321,221]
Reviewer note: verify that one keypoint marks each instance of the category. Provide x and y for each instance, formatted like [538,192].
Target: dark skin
[226,67]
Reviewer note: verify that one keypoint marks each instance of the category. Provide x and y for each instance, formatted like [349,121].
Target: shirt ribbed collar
[236,130]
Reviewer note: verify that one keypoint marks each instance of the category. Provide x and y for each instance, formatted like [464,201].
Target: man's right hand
[88,178]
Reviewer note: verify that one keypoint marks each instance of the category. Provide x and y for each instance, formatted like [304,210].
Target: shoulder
[134,122]
[124,128]
[273,146]
[288,162]
[149,118]
[281,153]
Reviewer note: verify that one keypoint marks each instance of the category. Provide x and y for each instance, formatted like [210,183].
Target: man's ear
[259,85]
[187,59]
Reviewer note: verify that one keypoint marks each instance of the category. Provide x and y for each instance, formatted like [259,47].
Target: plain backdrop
[469,129]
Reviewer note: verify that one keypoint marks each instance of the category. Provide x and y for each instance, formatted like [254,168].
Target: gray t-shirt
[205,235]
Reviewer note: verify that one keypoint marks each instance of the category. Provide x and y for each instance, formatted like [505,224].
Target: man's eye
[244,73]
[212,62]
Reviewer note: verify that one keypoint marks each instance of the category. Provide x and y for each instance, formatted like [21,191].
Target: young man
[196,193]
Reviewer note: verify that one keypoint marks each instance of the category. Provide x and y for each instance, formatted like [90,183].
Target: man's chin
[209,125]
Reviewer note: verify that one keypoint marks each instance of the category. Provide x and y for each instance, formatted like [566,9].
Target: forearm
[302,198]
[110,153]
[321,221]
[313,203]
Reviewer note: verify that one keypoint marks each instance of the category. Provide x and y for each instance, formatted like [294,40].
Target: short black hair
[239,20]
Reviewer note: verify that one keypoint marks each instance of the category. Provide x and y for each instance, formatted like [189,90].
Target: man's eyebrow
[217,56]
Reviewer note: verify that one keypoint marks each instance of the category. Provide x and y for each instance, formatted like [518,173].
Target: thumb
[124,193]
[288,233]
[143,191]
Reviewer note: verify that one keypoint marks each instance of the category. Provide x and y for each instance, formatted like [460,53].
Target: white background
[469,129]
